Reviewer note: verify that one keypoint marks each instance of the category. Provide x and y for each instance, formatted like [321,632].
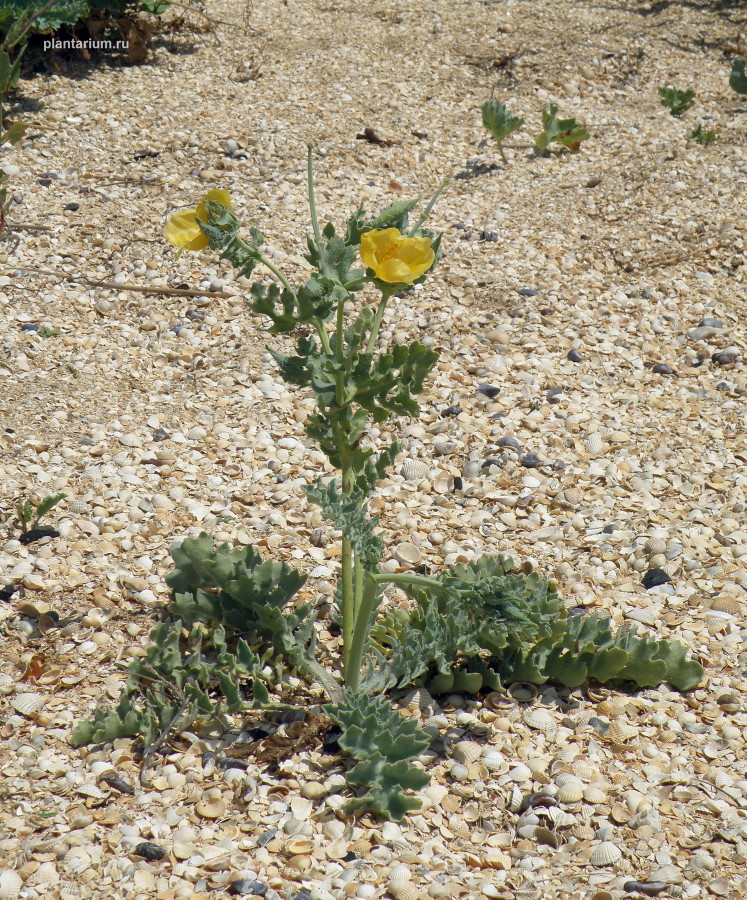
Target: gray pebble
[662,369]
[724,358]
[573,356]
[709,322]
[531,461]
[245,887]
[488,390]
[528,292]
[509,442]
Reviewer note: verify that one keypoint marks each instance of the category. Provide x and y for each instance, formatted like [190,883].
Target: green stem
[369,598]
[323,336]
[312,200]
[406,578]
[376,324]
[340,354]
[275,271]
[427,210]
[348,606]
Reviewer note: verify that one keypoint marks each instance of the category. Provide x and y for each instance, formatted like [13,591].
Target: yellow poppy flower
[395,258]
[182,229]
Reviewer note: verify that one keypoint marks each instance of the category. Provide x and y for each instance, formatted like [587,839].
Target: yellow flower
[395,258]
[182,229]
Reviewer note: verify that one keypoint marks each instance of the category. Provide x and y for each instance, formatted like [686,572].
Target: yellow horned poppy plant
[395,258]
[182,229]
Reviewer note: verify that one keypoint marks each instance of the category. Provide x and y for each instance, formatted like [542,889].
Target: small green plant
[702,137]
[564,131]
[677,102]
[29,514]
[236,626]
[500,123]
[737,77]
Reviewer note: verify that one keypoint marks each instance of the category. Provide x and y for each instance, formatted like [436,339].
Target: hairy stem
[429,208]
[404,579]
[376,323]
[312,199]
[368,602]
[275,271]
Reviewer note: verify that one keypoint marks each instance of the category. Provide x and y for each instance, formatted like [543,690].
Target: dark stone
[498,463]
[489,390]
[160,434]
[150,851]
[245,887]
[610,529]
[655,577]
[559,465]
[509,442]
[528,292]
[573,356]
[330,741]
[724,359]
[723,386]
[451,411]
[349,857]
[458,483]
[71,207]
[547,312]
[266,837]
[491,236]
[710,322]
[648,888]
[532,801]
[555,395]
[7,592]
[531,461]
[29,326]
[662,369]
[36,534]
[195,315]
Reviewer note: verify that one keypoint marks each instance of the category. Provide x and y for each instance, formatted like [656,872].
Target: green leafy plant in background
[563,131]
[237,628]
[701,136]
[29,514]
[500,123]
[737,77]
[677,102]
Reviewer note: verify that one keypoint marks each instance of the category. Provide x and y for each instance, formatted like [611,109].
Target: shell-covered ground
[161,415]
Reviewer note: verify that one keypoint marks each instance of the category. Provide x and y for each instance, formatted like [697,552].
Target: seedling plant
[677,102]
[567,132]
[236,630]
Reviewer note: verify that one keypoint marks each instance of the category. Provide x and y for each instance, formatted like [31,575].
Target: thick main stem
[358,645]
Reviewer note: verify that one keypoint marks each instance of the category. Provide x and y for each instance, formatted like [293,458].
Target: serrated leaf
[349,515]
[48,503]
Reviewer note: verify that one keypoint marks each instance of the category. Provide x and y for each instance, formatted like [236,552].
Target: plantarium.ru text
[234,633]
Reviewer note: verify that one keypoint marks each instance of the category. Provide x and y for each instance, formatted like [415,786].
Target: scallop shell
[495,762]
[594,443]
[605,854]
[620,732]
[407,554]
[414,470]
[28,704]
[403,890]
[647,616]
[559,817]
[10,884]
[399,873]
[176,779]
[727,604]
[655,545]
[211,808]
[584,771]
[594,795]
[299,845]
[467,752]
[516,799]
[541,720]
[571,791]
[436,792]
[46,874]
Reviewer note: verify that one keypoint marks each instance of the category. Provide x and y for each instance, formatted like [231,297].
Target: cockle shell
[571,791]
[727,604]
[619,732]
[399,873]
[467,752]
[414,469]
[28,704]
[594,443]
[407,554]
[605,854]
[655,545]
[559,817]
[646,616]
[299,845]
[541,720]
[403,890]
[443,483]
[10,884]
[594,794]
[495,762]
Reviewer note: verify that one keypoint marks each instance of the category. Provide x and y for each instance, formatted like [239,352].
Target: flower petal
[182,229]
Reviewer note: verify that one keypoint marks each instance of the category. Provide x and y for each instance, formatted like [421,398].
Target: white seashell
[594,443]
[68,890]
[7,684]
[594,794]
[299,846]
[443,483]
[647,616]
[619,732]
[399,873]
[560,818]
[541,720]
[584,771]
[414,470]
[46,874]
[572,791]
[10,884]
[403,890]
[301,808]
[78,507]
[435,792]
[606,854]
[28,704]
[655,545]
[516,799]
[77,860]
[519,774]
[495,762]
[176,779]
[407,554]
[161,501]
[466,752]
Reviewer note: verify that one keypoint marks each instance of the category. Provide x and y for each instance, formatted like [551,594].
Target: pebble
[531,461]
[574,356]
[149,851]
[528,292]
[488,390]
[655,577]
[508,441]
[662,369]
[245,887]
[724,358]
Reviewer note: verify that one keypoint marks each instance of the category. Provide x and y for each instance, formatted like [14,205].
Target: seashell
[399,873]
[10,884]
[297,846]
[301,808]
[559,817]
[68,890]
[619,732]
[727,604]
[403,890]
[495,762]
[472,469]
[584,770]
[78,507]
[337,849]
[466,752]
[407,554]
[594,794]
[655,545]
[211,807]
[443,483]
[516,799]
[647,616]
[594,443]
[417,701]
[583,832]
[571,791]
[414,470]
[77,860]
[161,501]
[541,720]
[605,854]
[295,826]
[538,766]
[471,813]
[523,692]
[28,704]
[7,684]
[435,792]
[176,779]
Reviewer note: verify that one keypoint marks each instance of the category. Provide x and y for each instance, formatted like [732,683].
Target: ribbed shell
[605,854]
